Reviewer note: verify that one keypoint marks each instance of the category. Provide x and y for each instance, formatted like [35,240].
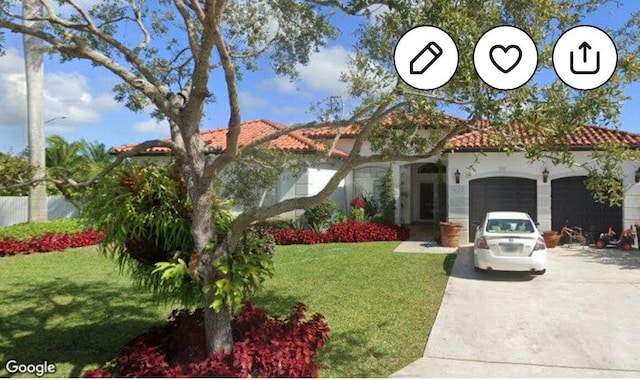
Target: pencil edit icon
[425,58]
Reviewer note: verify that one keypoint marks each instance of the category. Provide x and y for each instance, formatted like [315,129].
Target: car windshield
[512,226]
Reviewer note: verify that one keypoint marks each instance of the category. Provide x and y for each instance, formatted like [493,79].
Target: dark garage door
[500,194]
[571,200]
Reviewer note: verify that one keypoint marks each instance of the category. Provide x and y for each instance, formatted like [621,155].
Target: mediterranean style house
[442,187]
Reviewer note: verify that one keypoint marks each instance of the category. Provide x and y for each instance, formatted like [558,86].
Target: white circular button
[426,57]
[505,57]
[585,57]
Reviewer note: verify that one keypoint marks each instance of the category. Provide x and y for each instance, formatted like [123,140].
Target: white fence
[14,210]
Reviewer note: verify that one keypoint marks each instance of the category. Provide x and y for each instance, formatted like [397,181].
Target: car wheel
[541,272]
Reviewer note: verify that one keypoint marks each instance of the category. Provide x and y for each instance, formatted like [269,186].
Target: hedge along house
[472,177]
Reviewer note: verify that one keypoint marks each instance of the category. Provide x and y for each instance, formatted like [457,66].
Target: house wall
[318,179]
[346,144]
[516,165]
[631,205]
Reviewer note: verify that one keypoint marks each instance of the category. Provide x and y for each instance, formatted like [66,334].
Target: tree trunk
[34,75]
[217,325]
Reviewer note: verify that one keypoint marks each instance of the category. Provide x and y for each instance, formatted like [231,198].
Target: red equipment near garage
[609,239]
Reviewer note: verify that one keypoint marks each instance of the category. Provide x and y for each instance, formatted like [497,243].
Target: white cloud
[249,102]
[324,69]
[107,102]
[322,73]
[281,84]
[152,126]
[65,94]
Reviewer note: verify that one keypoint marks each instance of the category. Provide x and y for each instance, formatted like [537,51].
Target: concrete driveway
[580,319]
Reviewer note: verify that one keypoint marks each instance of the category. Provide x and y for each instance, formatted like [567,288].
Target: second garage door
[500,194]
[570,200]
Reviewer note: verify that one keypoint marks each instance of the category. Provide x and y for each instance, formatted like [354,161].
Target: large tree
[179,45]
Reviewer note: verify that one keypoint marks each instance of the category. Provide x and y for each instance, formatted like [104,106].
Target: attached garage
[500,194]
[570,200]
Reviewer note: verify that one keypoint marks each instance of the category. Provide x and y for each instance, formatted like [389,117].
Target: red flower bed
[49,242]
[265,347]
[346,232]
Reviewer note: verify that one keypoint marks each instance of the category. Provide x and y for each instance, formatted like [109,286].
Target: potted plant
[551,238]
[450,234]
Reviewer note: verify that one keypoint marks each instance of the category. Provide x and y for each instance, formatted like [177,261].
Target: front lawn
[380,305]
[74,310]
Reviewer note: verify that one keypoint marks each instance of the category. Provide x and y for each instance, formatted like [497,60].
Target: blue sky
[80,105]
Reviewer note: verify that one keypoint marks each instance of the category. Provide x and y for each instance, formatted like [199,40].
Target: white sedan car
[509,241]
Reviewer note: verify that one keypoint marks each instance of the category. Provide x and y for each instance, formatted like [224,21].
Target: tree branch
[356,119]
[261,213]
[232,88]
[434,96]
[147,37]
[190,27]
[195,5]
[69,182]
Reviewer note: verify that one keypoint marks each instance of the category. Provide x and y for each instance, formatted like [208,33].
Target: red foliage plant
[346,232]
[357,202]
[264,347]
[50,242]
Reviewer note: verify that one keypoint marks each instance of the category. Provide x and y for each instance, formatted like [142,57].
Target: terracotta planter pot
[551,238]
[450,234]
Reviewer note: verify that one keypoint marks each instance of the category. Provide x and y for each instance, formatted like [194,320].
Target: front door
[426,201]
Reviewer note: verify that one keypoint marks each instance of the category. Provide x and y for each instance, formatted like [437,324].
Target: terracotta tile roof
[351,131]
[584,137]
[293,142]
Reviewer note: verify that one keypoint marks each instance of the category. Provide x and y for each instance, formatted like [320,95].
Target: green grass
[75,310]
[380,305]
[72,309]
[25,231]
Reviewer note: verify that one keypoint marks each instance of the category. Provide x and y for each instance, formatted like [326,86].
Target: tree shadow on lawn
[346,353]
[71,324]
[350,354]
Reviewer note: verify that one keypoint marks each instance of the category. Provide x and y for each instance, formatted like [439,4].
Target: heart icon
[505,58]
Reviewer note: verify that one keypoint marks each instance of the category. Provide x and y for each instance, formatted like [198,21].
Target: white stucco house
[443,187]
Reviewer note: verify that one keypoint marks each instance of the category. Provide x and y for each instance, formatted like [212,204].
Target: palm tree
[97,156]
[34,74]
[65,159]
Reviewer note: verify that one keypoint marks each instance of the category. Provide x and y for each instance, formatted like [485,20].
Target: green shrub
[371,205]
[320,214]
[339,217]
[274,223]
[387,200]
[26,231]
[357,215]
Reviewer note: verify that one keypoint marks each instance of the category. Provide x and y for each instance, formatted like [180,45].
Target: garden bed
[54,236]
[345,232]
[264,347]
